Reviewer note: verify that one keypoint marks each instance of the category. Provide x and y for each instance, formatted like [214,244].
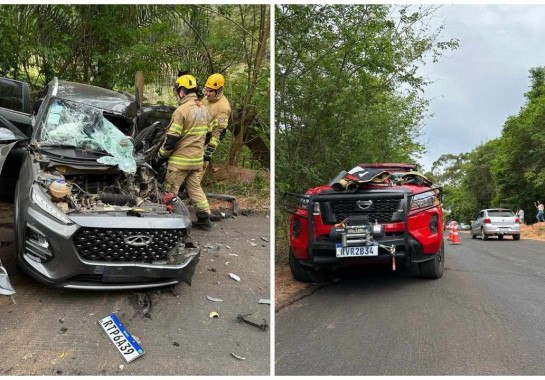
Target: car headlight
[41,200]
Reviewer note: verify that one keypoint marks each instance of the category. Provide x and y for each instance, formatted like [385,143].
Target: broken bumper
[50,253]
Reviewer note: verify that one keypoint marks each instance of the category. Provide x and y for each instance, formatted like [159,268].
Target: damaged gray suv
[89,213]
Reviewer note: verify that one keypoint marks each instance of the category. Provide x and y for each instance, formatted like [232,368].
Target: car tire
[473,236]
[433,269]
[299,271]
[500,237]
[483,235]
[516,237]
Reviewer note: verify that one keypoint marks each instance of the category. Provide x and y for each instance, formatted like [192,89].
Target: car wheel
[516,237]
[473,236]
[433,269]
[500,237]
[483,235]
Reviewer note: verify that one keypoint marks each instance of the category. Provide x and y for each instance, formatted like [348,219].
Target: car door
[15,104]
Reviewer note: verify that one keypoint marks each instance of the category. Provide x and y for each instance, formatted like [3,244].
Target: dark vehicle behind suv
[89,213]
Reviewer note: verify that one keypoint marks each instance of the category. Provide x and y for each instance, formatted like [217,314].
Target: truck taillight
[487,221]
[517,220]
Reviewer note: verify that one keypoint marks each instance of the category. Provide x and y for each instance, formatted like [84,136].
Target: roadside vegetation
[105,45]
[508,171]
[348,91]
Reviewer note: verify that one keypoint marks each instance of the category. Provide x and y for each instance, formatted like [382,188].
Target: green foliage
[105,45]
[347,87]
[505,172]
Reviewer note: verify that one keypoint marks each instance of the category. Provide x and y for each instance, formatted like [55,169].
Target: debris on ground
[145,304]
[237,357]
[213,248]
[61,320]
[176,344]
[233,254]
[214,299]
[213,315]
[212,269]
[63,330]
[265,301]
[121,366]
[234,277]
[264,238]
[227,247]
[242,319]
[253,244]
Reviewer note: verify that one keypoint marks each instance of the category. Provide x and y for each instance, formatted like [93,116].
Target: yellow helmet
[215,81]
[187,81]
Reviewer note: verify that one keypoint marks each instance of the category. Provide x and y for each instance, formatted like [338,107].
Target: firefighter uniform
[220,109]
[184,147]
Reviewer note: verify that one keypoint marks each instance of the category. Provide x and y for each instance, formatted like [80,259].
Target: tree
[347,87]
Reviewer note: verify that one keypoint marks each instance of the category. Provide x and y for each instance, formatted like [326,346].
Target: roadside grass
[534,231]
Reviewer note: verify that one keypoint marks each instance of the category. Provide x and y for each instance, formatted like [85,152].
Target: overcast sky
[480,84]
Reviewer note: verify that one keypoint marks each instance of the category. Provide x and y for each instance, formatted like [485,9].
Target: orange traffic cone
[455,236]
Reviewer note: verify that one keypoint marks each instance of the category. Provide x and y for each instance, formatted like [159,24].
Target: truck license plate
[370,250]
[122,340]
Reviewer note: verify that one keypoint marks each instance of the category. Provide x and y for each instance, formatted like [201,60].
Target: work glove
[158,162]
[208,153]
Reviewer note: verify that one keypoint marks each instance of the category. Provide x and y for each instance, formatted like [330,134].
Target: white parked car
[495,222]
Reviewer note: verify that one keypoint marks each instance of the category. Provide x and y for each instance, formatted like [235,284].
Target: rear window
[11,95]
[500,213]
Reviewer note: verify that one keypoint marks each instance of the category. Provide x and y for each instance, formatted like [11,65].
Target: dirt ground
[535,231]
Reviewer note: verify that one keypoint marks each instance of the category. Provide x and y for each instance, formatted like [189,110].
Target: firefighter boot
[203,221]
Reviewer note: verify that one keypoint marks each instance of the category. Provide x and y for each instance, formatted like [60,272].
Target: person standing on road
[220,109]
[184,147]
[521,216]
[540,214]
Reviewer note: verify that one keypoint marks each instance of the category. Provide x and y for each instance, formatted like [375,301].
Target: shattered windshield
[77,125]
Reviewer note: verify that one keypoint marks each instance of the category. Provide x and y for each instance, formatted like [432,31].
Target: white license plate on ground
[370,250]
[122,340]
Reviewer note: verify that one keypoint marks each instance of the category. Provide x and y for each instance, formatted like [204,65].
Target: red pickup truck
[380,213]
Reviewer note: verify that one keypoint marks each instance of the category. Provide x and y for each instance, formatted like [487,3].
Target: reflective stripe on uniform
[176,128]
[202,204]
[185,161]
[164,153]
[198,130]
[214,141]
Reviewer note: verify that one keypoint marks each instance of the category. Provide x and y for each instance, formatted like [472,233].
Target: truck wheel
[500,237]
[302,273]
[299,271]
[483,235]
[433,269]
[516,237]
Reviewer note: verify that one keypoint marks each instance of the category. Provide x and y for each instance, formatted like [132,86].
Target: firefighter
[187,134]
[218,105]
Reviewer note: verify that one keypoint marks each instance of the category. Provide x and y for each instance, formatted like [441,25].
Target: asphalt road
[51,331]
[485,316]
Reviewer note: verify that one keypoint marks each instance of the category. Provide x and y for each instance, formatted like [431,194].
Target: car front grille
[380,210]
[126,245]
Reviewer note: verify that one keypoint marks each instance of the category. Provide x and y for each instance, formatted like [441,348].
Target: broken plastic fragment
[213,248]
[234,277]
[5,286]
[237,357]
[214,315]
[264,238]
[265,301]
[253,244]
[214,299]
